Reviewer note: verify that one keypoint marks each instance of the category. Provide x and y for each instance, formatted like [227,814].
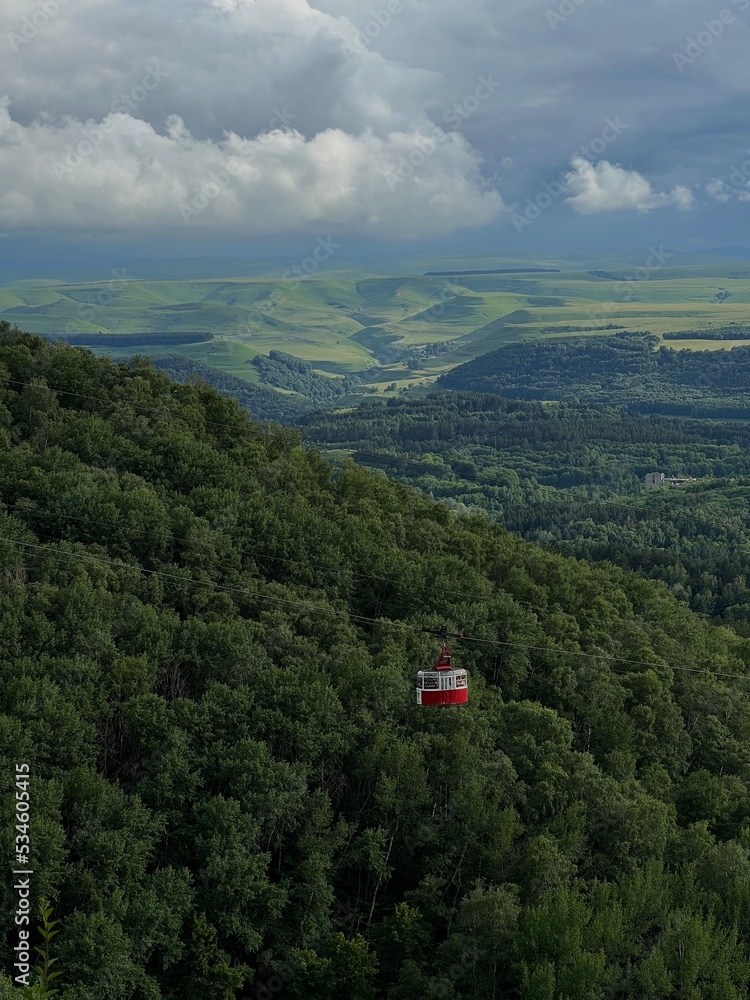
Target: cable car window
[431,683]
[460,682]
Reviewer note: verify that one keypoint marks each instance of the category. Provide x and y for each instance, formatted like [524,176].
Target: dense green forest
[285,371]
[489,439]
[208,642]
[693,539]
[263,404]
[623,369]
[570,475]
[732,331]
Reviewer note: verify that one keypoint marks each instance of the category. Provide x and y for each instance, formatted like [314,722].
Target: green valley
[399,330]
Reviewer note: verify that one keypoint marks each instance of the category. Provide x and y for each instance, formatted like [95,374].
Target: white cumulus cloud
[609,187]
[719,190]
[122,172]
[245,117]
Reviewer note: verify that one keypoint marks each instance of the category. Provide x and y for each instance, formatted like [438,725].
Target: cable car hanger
[443,685]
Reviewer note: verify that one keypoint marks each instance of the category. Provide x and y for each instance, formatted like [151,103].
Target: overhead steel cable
[254,554]
[42,512]
[357,619]
[139,406]
[265,430]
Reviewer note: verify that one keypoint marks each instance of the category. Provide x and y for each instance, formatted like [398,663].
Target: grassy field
[345,322]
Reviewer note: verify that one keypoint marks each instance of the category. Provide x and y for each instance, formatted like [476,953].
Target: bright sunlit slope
[401,328]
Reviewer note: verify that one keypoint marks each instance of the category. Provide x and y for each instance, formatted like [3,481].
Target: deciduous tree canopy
[233,793]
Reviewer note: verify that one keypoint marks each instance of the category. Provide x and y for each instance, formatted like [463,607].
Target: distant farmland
[396,333]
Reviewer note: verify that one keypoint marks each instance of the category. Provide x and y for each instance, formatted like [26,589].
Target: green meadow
[361,321]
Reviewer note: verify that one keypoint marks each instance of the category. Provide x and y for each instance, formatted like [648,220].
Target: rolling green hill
[208,644]
[356,319]
[626,369]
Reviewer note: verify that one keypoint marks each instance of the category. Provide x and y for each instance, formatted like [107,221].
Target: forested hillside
[263,404]
[490,440]
[570,475]
[622,369]
[285,371]
[233,793]
[695,539]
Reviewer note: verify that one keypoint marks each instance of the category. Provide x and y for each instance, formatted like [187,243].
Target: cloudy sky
[221,125]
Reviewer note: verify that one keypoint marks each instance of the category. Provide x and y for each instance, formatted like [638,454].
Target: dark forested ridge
[623,369]
[499,270]
[285,371]
[232,792]
[732,331]
[132,339]
[263,404]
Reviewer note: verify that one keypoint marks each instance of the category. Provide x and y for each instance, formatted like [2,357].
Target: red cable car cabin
[442,685]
